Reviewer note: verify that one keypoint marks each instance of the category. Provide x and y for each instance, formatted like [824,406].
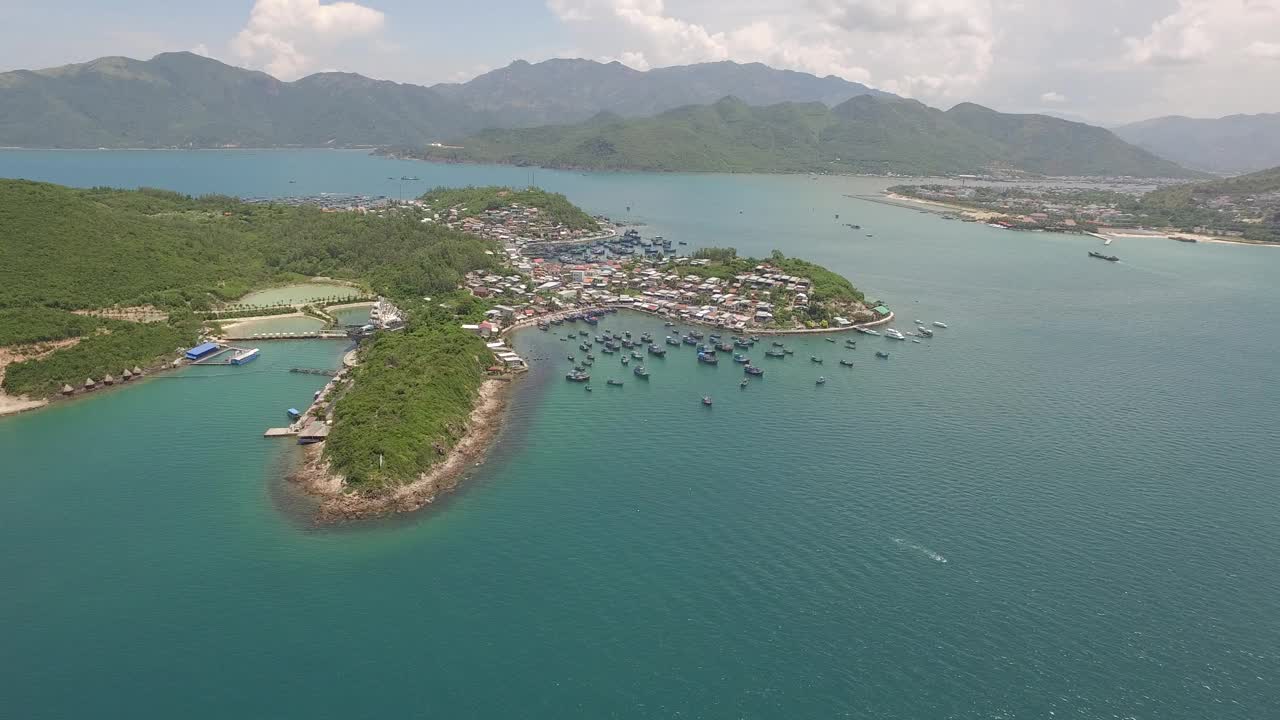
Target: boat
[244,357]
[583,333]
[640,372]
[672,341]
[939,324]
[753,370]
[659,351]
[293,413]
[695,334]
[689,340]
[821,380]
[577,377]
[851,343]
[868,331]
[668,324]
[706,400]
[1100,256]
[881,354]
[816,359]
[774,353]
[708,358]
[571,358]
[588,363]
[924,331]
[587,388]
[894,334]
[740,358]
[607,350]
[788,351]
[615,383]
[590,356]
[724,347]
[647,338]
[744,383]
[626,360]
[776,343]
[914,340]
[583,347]
[636,356]
[830,340]
[543,326]
[847,363]
[755,338]
[741,343]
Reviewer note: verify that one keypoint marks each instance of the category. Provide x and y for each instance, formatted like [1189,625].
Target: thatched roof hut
[109,380]
[126,375]
[137,370]
[90,384]
[67,389]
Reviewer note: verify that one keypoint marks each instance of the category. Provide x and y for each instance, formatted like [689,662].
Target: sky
[1105,61]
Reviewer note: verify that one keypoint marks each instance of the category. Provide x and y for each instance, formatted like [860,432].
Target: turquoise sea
[1064,505]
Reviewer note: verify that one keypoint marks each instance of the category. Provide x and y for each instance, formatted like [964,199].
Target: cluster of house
[744,301]
[508,224]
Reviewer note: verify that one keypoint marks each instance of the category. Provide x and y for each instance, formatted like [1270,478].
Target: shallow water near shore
[1060,504]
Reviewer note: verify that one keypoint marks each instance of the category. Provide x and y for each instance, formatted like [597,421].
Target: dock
[280,432]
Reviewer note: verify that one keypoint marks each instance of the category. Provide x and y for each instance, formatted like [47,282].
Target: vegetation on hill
[20,326]
[123,346]
[476,200]
[866,134]
[1246,204]
[412,394]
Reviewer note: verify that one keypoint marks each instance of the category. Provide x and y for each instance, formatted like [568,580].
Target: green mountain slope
[863,134]
[1231,144]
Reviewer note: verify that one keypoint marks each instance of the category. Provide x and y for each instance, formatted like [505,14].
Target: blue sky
[1098,59]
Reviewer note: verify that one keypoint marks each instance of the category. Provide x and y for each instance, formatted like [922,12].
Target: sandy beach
[337,504]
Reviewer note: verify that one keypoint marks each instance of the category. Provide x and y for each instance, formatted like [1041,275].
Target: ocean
[1062,505]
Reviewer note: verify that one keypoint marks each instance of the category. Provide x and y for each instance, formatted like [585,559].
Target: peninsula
[423,392]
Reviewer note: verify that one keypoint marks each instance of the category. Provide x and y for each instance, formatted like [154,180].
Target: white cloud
[1263,50]
[1181,37]
[287,38]
[935,49]
[1053,97]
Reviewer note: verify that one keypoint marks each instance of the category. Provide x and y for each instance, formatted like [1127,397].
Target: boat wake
[936,557]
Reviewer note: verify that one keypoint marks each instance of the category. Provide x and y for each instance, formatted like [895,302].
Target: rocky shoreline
[338,504]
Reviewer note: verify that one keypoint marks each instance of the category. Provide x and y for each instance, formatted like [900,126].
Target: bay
[1063,503]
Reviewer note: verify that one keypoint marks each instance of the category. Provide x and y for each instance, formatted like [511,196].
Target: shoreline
[533,322]
[338,504]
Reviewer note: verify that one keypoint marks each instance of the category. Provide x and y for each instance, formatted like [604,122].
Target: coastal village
[556,270]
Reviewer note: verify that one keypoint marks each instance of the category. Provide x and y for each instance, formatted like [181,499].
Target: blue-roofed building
[201,350]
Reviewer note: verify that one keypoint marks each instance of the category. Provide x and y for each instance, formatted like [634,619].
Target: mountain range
[183,99]
[1231,144]
[867,134]
[709,116]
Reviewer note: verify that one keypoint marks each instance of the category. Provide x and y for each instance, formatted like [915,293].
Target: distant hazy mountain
[180,99]
[567,91]
[864,134]
[1232,144]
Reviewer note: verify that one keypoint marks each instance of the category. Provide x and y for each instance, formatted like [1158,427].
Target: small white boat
[869,331]
[892,333]
[939,324]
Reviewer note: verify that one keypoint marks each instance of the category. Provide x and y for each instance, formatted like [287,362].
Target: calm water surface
[1062,506]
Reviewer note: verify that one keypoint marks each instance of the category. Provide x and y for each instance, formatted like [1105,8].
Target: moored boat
[847,363]
[775,353]
[656,350]
[706,400]
[821,380]
[753,370]
[881,354]
[939,324]
[740,358]
[640,371]
[615,383]
[708,358]
[816,359]
[577,377]
[894,334]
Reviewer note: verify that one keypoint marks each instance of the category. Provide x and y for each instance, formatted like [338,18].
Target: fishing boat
[774,353]
[590,356]
[628,344]
[640,372]
[571,358]
[636,356]
[740,358]
[1100,256]
[881,354]
[293,413]
[689,340]
[776,343]
[706,400]
[607,350]
[821,380]
[724,347]
[816,359]
[926,332]
[851,343]
[583,347]
[741,343]
[753,370]
[626,360]
[668,324]
[588,363]
[598,339]
[894,334]
[587,388]
[695,334]
[583,333]
[615,383]
[708,358]
[577,377]
[939,324]
[868,331]
[915,341]
[788,351]
[544,326]
[755,338]
[659,351]
[847,363]
[830,340]
[672,341]
[647,338]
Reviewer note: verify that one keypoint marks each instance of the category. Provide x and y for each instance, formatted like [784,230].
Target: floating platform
[280,432]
